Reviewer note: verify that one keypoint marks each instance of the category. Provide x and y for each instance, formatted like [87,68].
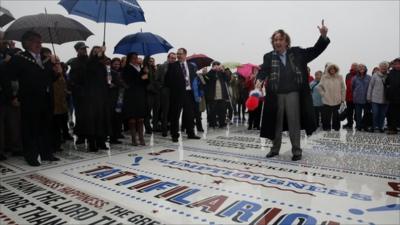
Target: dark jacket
[212,78]
[35,82]
[175,81]
[5,86]
[90,91]
[359,87]
[392,87]
[307,117]
[115,88]
[135,93]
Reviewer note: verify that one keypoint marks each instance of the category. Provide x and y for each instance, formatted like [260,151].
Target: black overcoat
[135,93]
[301,58]
[90,90]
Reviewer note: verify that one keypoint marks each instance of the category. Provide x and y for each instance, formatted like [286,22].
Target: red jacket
[349,91]
[310,78]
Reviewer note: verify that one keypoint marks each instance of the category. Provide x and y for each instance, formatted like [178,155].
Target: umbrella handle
[105,18]
[51,36]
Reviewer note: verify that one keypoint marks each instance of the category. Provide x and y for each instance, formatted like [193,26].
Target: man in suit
[164,96]
[35,77]
[178,79]
[288,96]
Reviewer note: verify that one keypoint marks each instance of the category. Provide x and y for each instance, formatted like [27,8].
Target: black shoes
[296,158]
[348,126]
[68,138]
[193,137]
[115,141]
[51,158]
[33,162]
[102,146]
[2,157]
[271,154]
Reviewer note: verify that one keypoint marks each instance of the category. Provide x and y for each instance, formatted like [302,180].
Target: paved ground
[224,178]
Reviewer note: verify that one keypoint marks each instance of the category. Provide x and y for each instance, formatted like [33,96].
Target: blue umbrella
[143,43]
[112,11]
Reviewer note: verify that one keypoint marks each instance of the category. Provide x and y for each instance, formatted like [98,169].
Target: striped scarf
[273,80]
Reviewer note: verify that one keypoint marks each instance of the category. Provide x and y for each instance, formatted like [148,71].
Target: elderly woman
[333,92]
[376,95]
[359,86]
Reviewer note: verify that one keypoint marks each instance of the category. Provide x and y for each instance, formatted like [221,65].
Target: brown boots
[140,130]
[132,128]
[136,127]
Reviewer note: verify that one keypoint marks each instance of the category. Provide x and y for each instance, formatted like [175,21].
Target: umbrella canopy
[5,17]
[111,11]
[246,69]
[143,43]
[231,65]
[53,28]
[200,60]
[106,11]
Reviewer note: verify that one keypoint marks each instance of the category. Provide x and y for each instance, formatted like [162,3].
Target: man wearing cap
[77,72]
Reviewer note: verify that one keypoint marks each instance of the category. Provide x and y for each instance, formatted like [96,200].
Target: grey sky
[360,31]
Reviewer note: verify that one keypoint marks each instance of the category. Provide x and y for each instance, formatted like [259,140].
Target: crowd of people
[366,99]
[97,99]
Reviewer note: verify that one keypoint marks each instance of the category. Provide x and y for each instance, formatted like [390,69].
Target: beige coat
[332,88]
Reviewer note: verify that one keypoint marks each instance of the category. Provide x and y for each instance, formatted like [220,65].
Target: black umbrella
[5,17]
[53,28]
[200,60]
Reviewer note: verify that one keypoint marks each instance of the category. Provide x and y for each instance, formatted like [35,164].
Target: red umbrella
[200,60]
[246,69]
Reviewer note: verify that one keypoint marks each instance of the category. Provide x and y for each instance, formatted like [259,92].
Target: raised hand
[323,30]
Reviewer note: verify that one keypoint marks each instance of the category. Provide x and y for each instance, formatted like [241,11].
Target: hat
[396,60]
[80,45]
[215,63]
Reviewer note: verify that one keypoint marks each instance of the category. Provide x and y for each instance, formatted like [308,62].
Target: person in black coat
[216,93]
[91,91]
[134,106]
[179,79]
[78,69]
[288,98]
[116,92]
[35,77]
[392,89]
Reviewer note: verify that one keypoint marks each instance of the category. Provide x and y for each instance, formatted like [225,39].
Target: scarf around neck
[274,77]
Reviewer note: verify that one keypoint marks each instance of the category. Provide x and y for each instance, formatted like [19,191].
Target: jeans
[379,114]
[361,110]
[330,117]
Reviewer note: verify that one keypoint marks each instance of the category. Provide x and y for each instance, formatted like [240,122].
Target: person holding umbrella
[35,79]
[93,119]
[78,66]
[135,105]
